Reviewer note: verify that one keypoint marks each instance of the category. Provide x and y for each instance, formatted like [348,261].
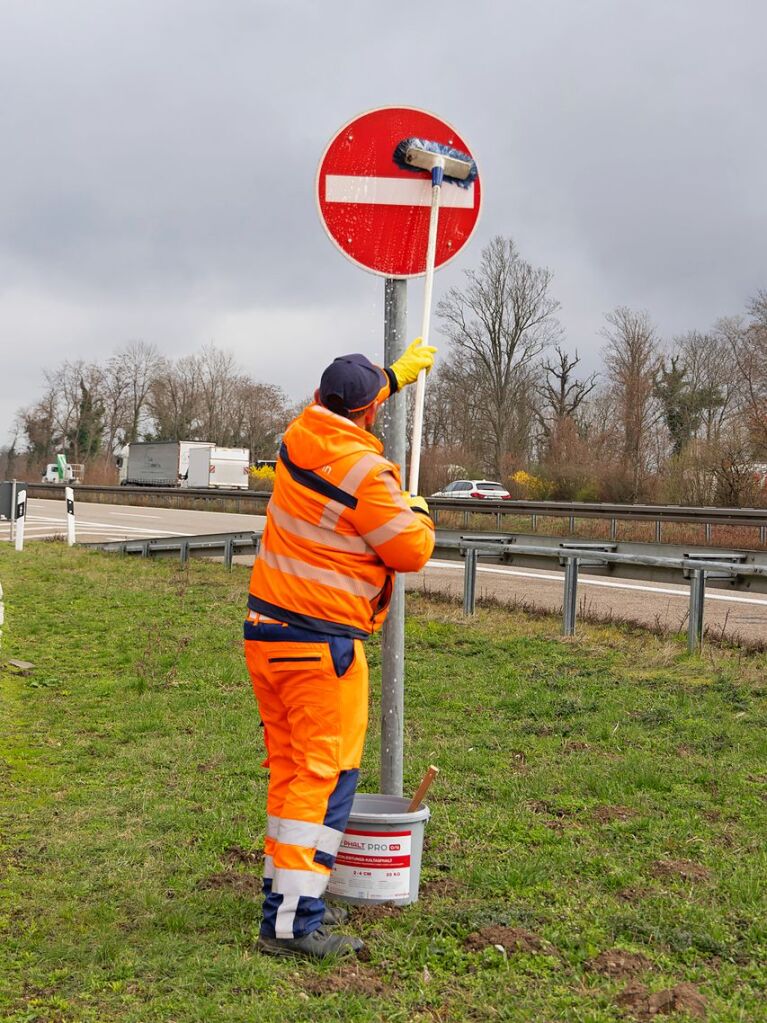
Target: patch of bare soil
[615,962]
[636,1001]
[559,825]
[606,814]
[237,854]
[544,806]
[442,887]
[232,880]
[512,939]
[687,870]
[352,978]
[632,894]
[371,914]
[575,746]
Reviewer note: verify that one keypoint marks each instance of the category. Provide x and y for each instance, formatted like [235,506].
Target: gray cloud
[157,178]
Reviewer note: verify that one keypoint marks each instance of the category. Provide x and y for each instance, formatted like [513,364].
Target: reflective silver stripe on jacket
[325,535]
[389,530]
[350,483]
[393,488]
[314,574]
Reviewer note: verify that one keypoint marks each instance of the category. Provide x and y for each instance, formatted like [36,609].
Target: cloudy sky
[159,156]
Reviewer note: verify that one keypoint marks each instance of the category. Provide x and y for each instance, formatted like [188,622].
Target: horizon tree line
[682,420]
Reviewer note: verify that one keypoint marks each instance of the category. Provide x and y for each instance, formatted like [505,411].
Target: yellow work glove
[416,357]
[417,504]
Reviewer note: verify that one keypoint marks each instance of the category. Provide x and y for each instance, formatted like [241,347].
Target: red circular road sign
[376,212]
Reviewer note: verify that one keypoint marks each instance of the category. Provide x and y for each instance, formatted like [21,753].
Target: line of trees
[89,410]
[682,420]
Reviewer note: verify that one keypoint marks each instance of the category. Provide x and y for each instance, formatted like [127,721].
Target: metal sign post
[377,213]
[393,634]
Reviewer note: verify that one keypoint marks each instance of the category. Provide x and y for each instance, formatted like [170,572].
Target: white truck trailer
[225,468]
[157,463]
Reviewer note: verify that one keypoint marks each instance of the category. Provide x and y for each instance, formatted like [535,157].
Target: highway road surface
[96,522]
[738,616]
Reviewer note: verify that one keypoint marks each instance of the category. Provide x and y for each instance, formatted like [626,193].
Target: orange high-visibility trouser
[312,693]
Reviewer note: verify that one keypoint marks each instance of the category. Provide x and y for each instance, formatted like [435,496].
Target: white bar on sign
[370,191]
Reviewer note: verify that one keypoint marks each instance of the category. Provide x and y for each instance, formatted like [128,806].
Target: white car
[475,488]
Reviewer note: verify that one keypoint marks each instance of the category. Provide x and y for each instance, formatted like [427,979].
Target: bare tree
[453,415]
[218,378]
[748,342]
[497,325]
[260,414]
[560,393]
[632,358]
[173,401]
[114,397]
[133,370]
[39,423]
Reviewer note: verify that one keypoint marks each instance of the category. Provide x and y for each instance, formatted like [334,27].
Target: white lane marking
[136,515]
[46,525]
[608,583]
[366,191]
[89,522]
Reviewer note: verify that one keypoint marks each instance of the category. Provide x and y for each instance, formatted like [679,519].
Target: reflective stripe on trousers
[312,695]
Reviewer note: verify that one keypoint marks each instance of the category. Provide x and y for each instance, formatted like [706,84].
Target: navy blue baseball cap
[352,383]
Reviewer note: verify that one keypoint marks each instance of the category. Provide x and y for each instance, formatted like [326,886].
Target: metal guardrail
[736,568]
[755,518]
[698,568]
[204,545]
[249,502]
[256,501]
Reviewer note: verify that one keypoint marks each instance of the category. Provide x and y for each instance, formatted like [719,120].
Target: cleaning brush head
[420,155]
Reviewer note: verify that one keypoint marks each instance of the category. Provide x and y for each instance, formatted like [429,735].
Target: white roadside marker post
[21,510]
[69,494]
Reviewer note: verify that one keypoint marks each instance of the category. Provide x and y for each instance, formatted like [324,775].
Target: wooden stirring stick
[423,788]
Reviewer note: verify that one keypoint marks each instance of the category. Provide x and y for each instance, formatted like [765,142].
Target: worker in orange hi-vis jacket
[338,527]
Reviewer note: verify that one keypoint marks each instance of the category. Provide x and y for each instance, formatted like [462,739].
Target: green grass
[598,793]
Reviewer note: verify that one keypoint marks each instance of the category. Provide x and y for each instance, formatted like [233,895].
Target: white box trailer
[226,468]
[158,463]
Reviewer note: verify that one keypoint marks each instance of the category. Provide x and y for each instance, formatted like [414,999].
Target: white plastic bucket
[380,855]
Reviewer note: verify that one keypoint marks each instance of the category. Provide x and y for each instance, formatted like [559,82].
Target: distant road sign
[378,213]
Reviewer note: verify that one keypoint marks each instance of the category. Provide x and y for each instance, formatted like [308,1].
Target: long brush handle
[423,788]
[420,387]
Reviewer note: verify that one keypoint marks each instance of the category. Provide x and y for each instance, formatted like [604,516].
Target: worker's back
[337,529]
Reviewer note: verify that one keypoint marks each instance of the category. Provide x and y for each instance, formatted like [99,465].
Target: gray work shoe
[319,944]
[334,915]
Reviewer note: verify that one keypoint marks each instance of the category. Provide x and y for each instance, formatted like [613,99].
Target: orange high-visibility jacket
[337,529]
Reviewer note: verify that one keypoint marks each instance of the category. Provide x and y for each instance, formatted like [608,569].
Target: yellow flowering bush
[262,476]
[533,487]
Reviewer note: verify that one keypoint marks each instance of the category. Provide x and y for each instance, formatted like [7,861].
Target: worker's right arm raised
[402,538]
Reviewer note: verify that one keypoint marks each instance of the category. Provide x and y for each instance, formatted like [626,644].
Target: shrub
[534,487]
[261,477]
